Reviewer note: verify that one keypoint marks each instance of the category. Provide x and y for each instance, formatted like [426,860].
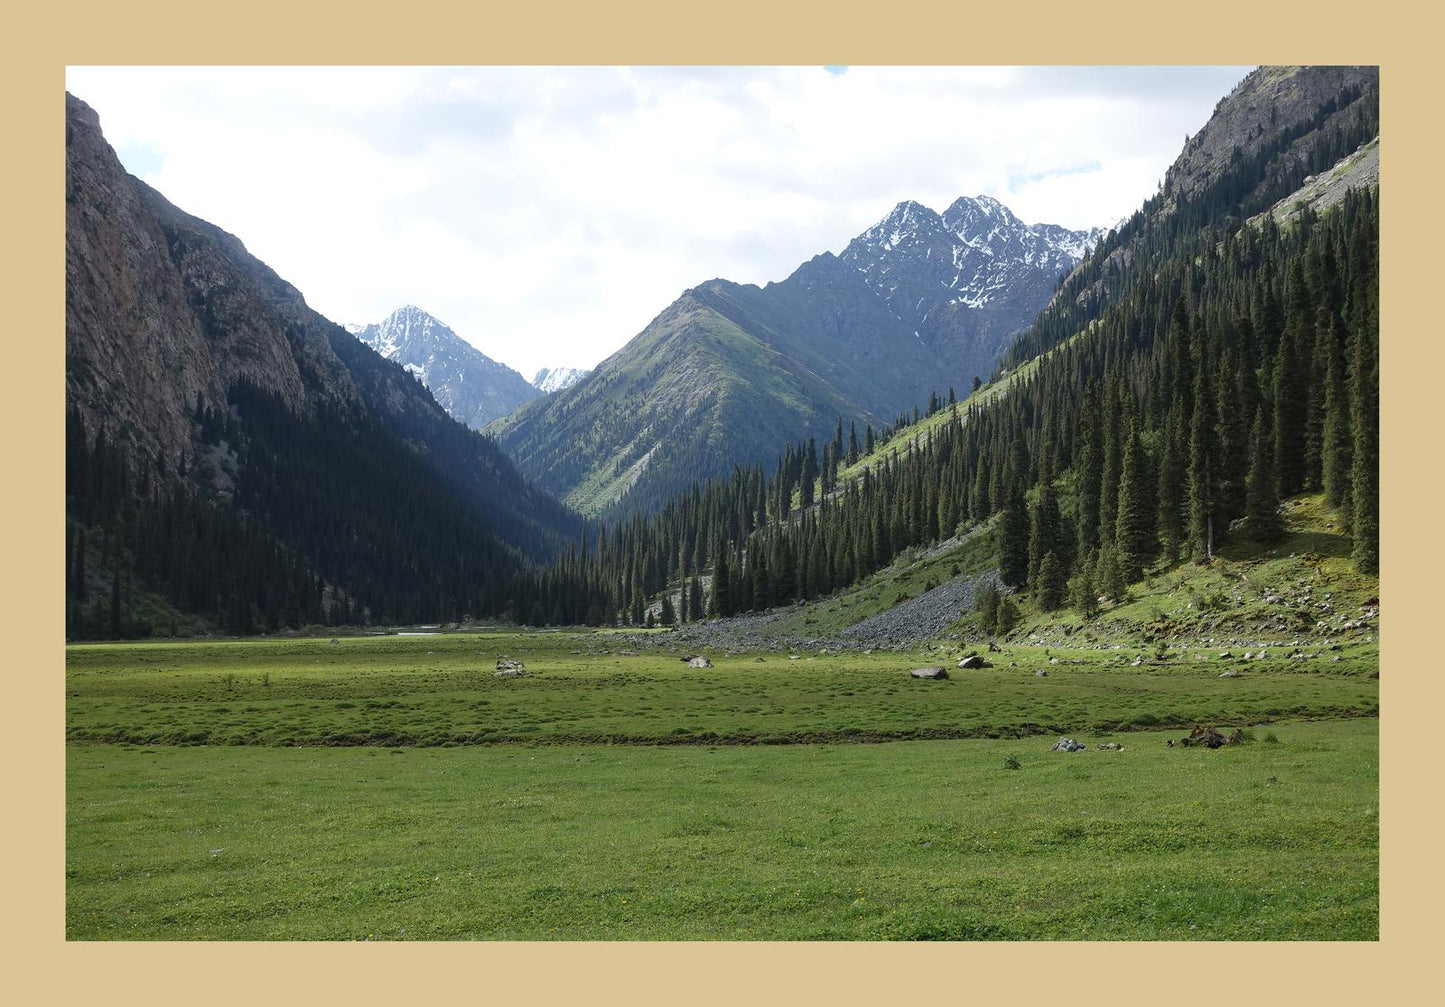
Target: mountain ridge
[472,387]
[919,303]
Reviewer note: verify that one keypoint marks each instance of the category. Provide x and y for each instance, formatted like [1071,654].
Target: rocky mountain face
[918,303]
[554,379]
[472,387]
[186,356]
[1271,101]
[965,281]
[1279,126]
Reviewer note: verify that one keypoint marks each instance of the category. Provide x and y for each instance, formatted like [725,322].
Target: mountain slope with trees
[1217,367]
[233,457]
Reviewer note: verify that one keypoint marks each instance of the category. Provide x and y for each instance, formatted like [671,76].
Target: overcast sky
[548,214]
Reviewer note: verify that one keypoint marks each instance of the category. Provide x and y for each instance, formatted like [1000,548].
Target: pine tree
[1045,528]
[1201,476]
[1013,542]
[987,607]
[1365,491]
[1134,539]
[1007,617]
[115,601]
[1337,445]
[1109,578]
[1052,586]
[1291,385]
[80,566]
[668,616]
[1083,591]
[1169,493]
[810,473]
[1090,468]
[1262,504]
[722,602]
[694,600]
[1322,349]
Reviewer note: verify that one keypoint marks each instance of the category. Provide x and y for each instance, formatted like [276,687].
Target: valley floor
[397,788]
[911,841]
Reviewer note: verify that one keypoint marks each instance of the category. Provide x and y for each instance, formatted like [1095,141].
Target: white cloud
[547,214]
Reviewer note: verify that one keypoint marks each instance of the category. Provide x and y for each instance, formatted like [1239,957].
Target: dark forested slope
[235,456]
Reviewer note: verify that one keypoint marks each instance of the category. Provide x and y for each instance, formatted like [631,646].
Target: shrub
[1012,762]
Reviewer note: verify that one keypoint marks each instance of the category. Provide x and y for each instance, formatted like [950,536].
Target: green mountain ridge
[691,395]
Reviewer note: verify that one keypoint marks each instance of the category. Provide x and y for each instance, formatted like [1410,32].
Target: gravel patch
[905,625]
[922,618]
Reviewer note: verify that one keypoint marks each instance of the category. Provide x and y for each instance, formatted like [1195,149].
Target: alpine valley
[1090,520]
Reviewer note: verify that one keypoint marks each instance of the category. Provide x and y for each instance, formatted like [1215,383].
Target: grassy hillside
[1301,594]
[690,397]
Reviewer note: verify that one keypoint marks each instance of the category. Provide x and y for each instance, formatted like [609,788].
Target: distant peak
[906,211]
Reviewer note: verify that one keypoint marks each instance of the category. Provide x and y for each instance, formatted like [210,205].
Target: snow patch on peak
[554,379]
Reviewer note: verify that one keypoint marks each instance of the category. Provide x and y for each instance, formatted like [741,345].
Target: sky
[548,214]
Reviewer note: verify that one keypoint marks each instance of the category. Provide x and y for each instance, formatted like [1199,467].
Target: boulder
[974,661]
[1203,737]
[510,664]
[1068,745]
[1041,673]
[934,672]
[511,673]
[699,662]
[1110,746]
[1231,673]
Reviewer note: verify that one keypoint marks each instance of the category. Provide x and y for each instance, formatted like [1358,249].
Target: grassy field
[441,690]
[394,788]
[914,840]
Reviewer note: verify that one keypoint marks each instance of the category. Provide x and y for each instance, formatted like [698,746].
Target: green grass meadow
[394,788]
[911,841]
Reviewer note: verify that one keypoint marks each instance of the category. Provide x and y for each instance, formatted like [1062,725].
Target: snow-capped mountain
[554,379]
[921,302]
[968,279]
[467,383]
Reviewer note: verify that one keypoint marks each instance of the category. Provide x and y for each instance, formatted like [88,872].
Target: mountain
[233,454]
[920,303]
[554,379]
[1277,127]
[966,281]
[687,398]
[1199,400]
[467,383]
